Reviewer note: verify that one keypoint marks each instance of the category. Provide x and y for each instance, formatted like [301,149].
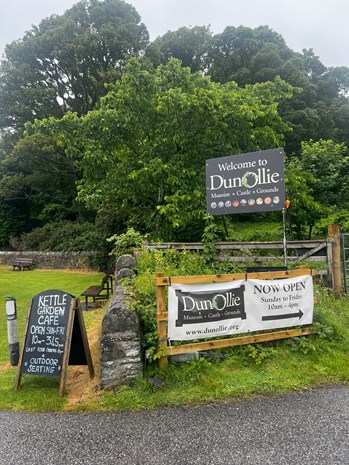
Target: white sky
[318,24]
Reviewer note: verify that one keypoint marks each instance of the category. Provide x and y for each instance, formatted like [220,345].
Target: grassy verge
[270,368]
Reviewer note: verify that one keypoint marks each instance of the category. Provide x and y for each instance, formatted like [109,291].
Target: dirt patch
[79,271]
[5,367]
[80,388]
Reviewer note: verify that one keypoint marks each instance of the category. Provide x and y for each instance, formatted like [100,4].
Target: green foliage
[38,183]
[141,151]
[304,210]
[274,367]
[63,63]
[126,243]
[328,163]
[302,345]
[258,353]
[144,148]
[60,65]
[209,238]
[68,236]
[189,45]
[317,185]
[172,263]
[11,223]
[303,356]
[253,228]
[340,216]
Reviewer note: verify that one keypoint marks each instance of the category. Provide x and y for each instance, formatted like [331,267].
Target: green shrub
[126,243]
[68,236]
[59,236]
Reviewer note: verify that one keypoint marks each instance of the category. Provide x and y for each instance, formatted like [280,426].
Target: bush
[126,243]
[60,236]
[68,236]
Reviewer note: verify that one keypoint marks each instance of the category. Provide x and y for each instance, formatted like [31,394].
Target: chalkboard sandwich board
[55,337]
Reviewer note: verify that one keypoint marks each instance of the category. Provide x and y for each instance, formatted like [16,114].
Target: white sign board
[197,311]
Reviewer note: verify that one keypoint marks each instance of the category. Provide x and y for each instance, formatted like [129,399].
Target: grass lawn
[36,393]
[270,368]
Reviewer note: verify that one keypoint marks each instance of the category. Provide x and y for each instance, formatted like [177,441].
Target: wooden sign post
[220,311]
[55,337]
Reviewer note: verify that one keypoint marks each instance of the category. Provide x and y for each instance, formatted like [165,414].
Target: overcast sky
[318,24]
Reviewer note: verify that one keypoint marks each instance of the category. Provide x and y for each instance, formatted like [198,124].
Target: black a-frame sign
[55,337]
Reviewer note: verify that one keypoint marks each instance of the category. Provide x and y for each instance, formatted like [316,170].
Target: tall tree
[189,45]
[60,65]
[317,184]
[63,63]
[234,54]
[144,149]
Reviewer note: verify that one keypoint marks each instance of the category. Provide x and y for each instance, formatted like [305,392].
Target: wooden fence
[161,282]
[325,250]
[313,250]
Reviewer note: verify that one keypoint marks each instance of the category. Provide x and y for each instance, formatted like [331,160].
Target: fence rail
[326,250]
[315,250]
[237,245]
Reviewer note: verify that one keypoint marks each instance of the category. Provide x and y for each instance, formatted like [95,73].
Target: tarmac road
[305,428]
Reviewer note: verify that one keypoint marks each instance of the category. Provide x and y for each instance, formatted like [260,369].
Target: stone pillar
[125,266]
[121,360]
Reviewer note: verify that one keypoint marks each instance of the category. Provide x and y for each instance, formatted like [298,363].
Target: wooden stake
[69,333]
[84,339]
[334,239]
[161,320]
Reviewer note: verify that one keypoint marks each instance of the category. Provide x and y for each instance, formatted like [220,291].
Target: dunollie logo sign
[209,306]
[252,182]
[219,309]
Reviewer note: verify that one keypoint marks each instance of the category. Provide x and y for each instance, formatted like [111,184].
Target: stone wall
[51,260]
[121,360]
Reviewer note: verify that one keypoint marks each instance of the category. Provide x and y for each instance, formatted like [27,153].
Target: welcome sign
[197,311]
[252,182]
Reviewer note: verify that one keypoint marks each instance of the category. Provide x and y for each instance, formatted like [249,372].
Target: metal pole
[12,330]
[284,229]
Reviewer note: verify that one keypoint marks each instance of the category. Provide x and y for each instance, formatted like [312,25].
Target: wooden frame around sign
[75,310]
[161,281]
